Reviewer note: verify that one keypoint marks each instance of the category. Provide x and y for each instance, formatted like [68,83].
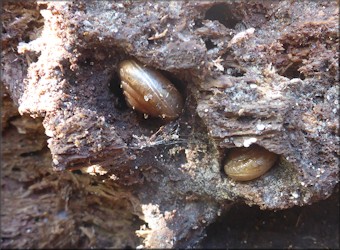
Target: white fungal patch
[247,142]
[260,127]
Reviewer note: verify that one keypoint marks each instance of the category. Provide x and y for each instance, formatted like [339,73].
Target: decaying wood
[261,72]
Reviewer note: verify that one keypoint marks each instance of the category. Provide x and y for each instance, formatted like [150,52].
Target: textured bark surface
[251,72]
[41,208]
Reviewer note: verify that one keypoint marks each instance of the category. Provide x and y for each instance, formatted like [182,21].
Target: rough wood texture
[252,72]
[42,208]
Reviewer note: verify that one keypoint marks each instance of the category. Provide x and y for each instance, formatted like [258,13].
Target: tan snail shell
[148,91]
[245,164]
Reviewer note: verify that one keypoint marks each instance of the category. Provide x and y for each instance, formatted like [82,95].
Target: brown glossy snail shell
[245,164]
[148,91]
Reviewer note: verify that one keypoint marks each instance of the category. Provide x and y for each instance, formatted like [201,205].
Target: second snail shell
[245,164]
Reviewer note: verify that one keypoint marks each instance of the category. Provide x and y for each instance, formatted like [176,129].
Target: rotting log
[250,72]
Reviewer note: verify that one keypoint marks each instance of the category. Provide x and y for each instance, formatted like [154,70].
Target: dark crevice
[292,71]
[209,44]
[198,23]
[237,72]
[119,100]
[245,119]
[33,153]
[222,13]
[77,171]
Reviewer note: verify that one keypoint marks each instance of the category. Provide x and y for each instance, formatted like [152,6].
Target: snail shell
[148,91]
[245,164]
